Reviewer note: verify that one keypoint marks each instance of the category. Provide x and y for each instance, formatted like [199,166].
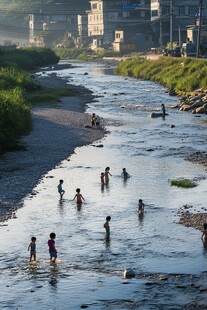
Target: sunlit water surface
[89,269]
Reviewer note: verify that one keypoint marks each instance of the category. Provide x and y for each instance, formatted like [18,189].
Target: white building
[106,16]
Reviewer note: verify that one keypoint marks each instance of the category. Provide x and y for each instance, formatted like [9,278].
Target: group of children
[79,200]
[51,245]
[95,120]
[105,176]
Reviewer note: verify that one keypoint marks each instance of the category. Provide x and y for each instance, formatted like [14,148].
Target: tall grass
[15,85]
[11,77]
[15,117]
[182,75]
[28,58]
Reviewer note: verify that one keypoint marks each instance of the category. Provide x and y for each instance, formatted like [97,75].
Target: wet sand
[57,131]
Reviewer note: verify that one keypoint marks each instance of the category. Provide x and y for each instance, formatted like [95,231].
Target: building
[106,16]
[53,22]
[175,15]
[133,38]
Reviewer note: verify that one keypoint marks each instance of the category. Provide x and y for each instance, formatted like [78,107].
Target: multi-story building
[171,17]
[54,21]
[105,16]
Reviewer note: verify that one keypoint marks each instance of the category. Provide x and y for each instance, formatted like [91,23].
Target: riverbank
[57,131]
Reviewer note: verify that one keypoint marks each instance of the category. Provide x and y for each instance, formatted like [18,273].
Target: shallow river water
[166,257]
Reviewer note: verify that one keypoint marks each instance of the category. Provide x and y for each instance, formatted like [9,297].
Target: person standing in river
[204,235]
[107,227]
[79,198]
[52,248]
[32,248]
[60,189]
[140,207]
[163,110]
[125,175]
[107,173]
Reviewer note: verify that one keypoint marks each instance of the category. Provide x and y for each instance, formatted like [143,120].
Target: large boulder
[185,107]
[154,115]
[197,104]
[201,110]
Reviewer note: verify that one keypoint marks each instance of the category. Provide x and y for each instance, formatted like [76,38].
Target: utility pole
[199,28]
[161,27]
[171,24]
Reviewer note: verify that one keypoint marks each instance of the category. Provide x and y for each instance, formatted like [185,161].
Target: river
[168,259]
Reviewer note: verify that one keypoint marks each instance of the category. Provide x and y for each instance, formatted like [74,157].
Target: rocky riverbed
[194,102]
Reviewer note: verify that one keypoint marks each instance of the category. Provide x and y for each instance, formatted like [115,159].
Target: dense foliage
[15,117]
[15,85]
[28,58]
[180,74]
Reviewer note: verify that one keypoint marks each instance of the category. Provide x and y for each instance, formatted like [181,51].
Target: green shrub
[12,77]
[28,58]
[15,117]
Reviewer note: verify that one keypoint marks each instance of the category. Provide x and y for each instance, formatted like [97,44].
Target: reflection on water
[90,266]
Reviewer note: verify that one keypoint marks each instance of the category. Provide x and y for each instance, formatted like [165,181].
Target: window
[193,10]
[94,6]
[154,13]
[181,10]
[165,10]
[118,36]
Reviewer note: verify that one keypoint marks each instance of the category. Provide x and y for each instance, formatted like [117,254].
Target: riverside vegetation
[83,53]
[19,91]
[180,74]
[185,77]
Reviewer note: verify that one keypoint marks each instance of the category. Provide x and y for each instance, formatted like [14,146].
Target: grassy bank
[16,89]
[180,74]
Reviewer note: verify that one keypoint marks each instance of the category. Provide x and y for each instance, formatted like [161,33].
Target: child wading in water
[102,178]
[125,174]
[52,248]
[140,207]
[204,235]
[107,173]
[107,227]
[60,189]
[32,248]
[79,198]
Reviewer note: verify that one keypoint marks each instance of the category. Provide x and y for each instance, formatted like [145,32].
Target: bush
[28,58]
[11,77]
[15,117]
